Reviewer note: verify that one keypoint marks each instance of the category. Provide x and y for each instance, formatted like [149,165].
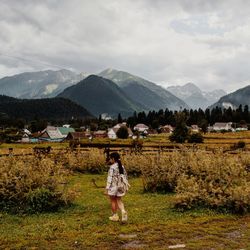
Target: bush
[92,161]
[195,138]
[122,132]
[30,184]
[218,181]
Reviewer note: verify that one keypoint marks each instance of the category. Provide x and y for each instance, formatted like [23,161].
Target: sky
[169,42]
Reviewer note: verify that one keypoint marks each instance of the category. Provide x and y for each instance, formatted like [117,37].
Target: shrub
[122,132]
[195,138]
[91,161]
[218,181]
[30,184]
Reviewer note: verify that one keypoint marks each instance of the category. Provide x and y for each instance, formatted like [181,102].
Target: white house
[195,128]
[218,126]
[112,133]
[141,128]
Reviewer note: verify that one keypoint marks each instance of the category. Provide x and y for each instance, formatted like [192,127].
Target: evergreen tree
[122,132]
[180,133]
[119,119]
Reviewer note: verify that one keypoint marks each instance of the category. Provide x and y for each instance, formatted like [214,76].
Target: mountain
[195,97]
[49,108]
[42,84]
[143,92]
[233,100]
[100,95]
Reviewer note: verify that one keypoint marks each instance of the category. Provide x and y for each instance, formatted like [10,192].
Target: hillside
[144,92]
[100,95]
[50,108]
[233,100]
[42,84]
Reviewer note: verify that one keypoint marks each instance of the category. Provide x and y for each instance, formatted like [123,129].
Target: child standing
[117,186]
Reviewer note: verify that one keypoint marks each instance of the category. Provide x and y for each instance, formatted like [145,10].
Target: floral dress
[112,181]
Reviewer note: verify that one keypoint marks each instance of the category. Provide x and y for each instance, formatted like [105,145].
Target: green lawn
[152,224]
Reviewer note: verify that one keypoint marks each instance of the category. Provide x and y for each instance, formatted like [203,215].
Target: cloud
[168,42]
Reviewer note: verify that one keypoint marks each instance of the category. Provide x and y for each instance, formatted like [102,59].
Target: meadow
[191,197]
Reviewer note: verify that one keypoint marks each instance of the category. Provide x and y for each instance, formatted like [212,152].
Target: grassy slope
[152,224]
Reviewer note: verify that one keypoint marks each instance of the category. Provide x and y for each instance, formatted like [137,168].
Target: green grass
[152,224]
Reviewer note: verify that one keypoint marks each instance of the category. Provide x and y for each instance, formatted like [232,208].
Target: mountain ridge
[163,98]
[47,108]
[111,99]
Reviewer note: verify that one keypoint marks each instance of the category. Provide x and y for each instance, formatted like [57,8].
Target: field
[153,222]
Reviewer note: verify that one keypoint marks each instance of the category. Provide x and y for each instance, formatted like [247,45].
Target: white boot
[114,217]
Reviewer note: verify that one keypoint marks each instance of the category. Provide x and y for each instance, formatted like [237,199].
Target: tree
[119,119]
[122,132]
[180,133]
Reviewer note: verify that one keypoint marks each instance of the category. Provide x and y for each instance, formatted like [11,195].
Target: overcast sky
[170,42]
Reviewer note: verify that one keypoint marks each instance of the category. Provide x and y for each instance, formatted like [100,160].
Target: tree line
[202,118]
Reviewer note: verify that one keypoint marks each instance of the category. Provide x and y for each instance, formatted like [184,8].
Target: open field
[153,224]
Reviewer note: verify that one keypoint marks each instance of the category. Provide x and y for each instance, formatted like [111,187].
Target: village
[67,133]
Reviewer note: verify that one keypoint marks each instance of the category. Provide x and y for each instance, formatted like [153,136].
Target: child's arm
[109,178]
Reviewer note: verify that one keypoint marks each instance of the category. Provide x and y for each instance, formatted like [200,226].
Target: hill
[144,92]
[49,108]
[100,95]
[233,100]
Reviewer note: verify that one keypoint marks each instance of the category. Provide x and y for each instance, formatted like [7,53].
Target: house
[55,134]
[112,132]
[218,126]
[118,125]
[194,128]
[100,134]
[26,134]
[167,129]
[76,136]
[141,128]
[65,130]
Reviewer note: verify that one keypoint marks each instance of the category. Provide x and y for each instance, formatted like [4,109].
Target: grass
[152,224]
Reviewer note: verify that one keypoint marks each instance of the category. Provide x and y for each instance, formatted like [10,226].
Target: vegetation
[185,196]
[31,184]
[239,116]
[195,138]
[180,133]
[122,132]
[152,224]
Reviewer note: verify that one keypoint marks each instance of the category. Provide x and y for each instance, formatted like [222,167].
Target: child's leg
[120,204]
[121,207]
[114,206]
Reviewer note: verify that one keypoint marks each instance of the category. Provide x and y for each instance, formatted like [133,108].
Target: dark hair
[117,159]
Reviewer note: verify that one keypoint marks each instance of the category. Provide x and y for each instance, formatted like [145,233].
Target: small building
[100,134]
[118,125]
[195,128]
[65,130]
[141,127]
[167,129]
[76,136]
[55,134]
[219,126]
[112,133]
